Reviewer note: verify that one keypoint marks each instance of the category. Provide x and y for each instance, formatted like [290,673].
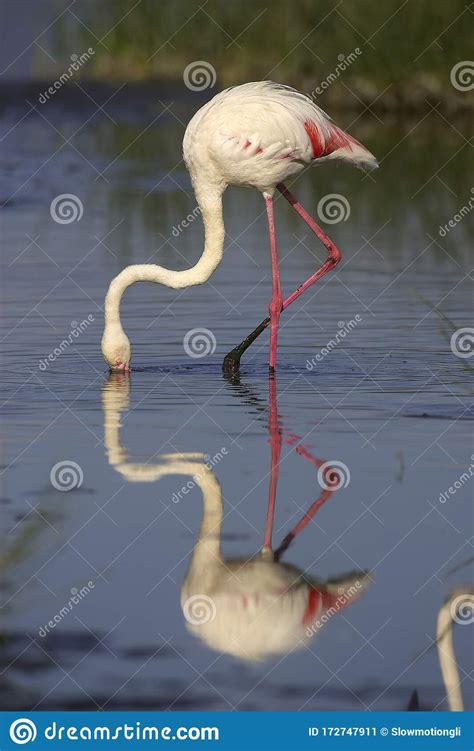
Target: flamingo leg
[276,304]
[276,434]
[232,359]
[324,496]
[275,444]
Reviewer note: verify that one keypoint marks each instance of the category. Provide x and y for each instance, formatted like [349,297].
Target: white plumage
[259,134]
[250,608]
[254,135]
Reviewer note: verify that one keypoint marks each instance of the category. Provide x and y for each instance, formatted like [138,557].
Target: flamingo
[460,603]
[256,608]
[251,608]
[254,135]
[458,607]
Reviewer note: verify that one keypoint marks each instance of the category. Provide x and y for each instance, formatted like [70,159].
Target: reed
[407,50]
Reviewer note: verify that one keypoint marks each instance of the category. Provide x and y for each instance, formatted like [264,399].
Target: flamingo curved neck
[447,660]
[206,555]
[210,205]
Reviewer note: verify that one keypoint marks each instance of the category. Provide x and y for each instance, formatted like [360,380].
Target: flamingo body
[263,608]
[255,135]
[251,608]
[260,134]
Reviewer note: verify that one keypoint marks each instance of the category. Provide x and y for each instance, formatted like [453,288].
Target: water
[390,401]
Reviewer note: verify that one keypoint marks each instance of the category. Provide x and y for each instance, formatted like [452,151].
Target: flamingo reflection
[252,608]
[458,607]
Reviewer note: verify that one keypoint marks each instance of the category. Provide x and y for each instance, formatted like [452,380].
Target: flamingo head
[116,349]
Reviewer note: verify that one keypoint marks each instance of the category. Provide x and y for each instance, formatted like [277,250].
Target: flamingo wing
[270,121]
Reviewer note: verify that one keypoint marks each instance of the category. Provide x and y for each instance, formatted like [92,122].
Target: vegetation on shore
[391,55]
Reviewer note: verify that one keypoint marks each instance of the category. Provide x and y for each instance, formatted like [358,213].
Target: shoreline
[359,96]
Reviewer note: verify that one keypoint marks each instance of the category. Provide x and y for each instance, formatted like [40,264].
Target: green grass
[407,48]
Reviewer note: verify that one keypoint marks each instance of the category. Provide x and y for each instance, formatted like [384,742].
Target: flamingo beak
[123,367]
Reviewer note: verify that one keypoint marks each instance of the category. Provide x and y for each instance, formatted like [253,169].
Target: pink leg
[334,254]
[303,522]
[324,496]
[275,307]
[232,360]
[275,443]
[275,440]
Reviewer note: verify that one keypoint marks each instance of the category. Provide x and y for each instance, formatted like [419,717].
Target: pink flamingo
[256,135]
[252,607]
[258,607]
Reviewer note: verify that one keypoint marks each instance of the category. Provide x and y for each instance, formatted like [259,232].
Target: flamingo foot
[231,362]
